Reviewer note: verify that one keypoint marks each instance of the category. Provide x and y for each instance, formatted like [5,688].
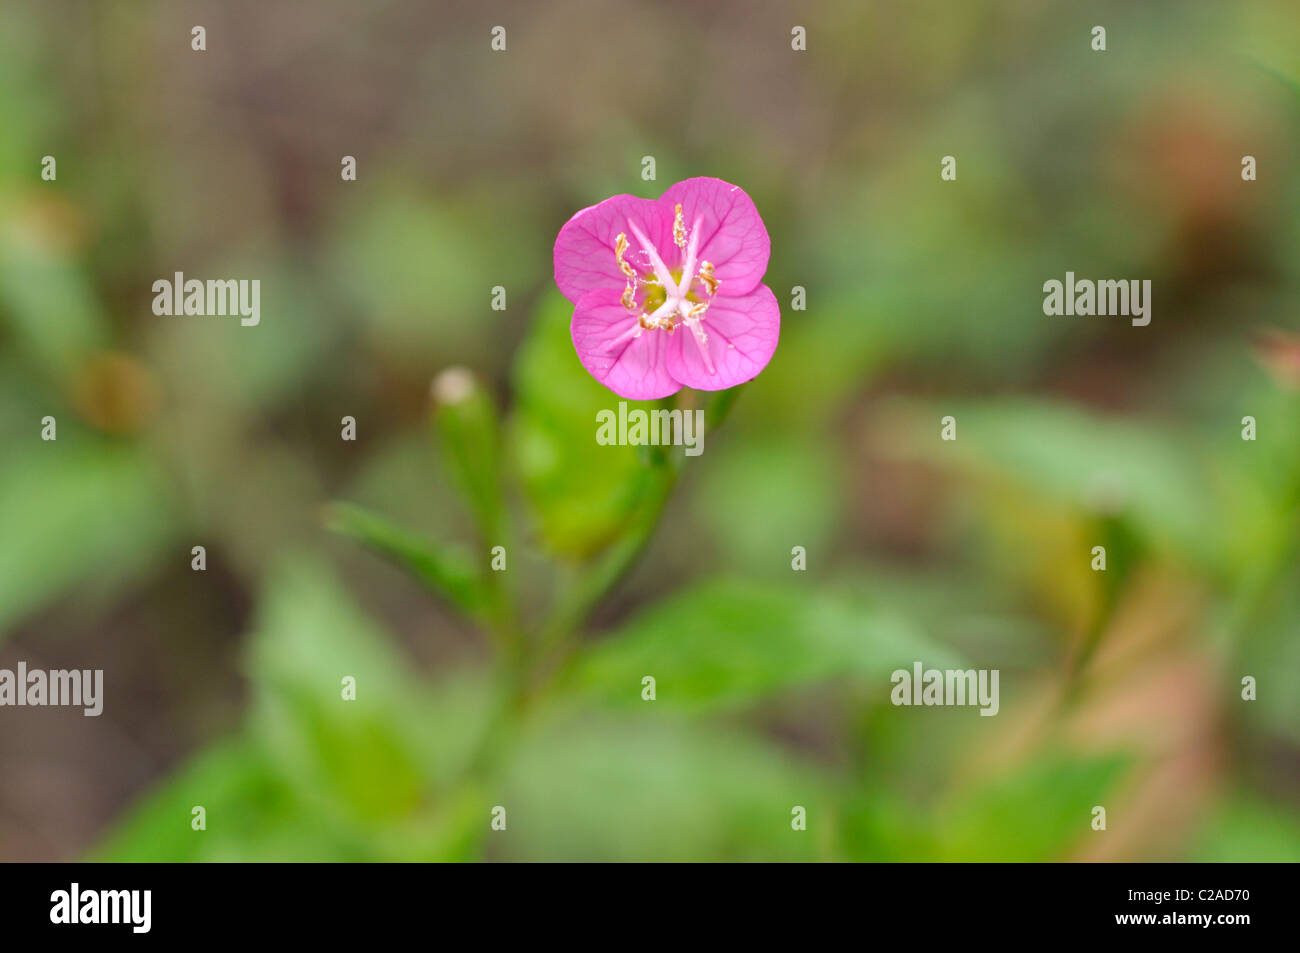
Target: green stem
[528,672]
[557,635]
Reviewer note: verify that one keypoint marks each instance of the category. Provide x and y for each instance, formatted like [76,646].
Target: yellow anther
[651,323]
[706,276]
[679,228]
[620,246]
[629,296]
[698,310]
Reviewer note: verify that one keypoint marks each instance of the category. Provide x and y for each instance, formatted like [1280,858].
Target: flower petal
[733,237]
[632,367]
[584,249]
[741,335]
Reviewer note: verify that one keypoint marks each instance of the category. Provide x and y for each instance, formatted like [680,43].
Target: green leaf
[1104,466]
[315,776]
[52,312]
[448,572]
[1248,829]
[1039,813]
[582,492]
[251,815]
[1036,812]
[882,825]
[726,644]
[354,760]
[601,787]
[72,514]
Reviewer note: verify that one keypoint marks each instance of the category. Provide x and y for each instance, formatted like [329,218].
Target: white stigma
[677,292]
[677,307]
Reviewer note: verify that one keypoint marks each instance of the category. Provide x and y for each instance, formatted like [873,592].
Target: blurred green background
[1120,689]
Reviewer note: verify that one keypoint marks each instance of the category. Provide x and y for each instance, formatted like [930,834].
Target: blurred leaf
[251,815]
[595,787]
[261,806]
[354,760]
[760,498]
[882,825]
[582,492]
[1269,650]
[1100,466]
[390,252]
[451,831]
[727,644]
[75,515]
[31,109]
[1283,76]
[976,620]
[449,572]
[223,367]
[718,406]
[1247,829]
[392,247]
[1035,814]
[44,295]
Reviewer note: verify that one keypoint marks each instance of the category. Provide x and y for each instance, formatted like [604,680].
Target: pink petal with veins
[584,249]
[733,236]
[631,366]
[741,336]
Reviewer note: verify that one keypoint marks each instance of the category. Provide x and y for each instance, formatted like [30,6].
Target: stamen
[620,246]
[706,276]
[657,263]
[678,305]
[652,323]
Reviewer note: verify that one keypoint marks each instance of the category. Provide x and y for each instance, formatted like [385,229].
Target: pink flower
[667,293]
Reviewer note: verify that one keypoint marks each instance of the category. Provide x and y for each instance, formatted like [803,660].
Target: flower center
[667,297]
